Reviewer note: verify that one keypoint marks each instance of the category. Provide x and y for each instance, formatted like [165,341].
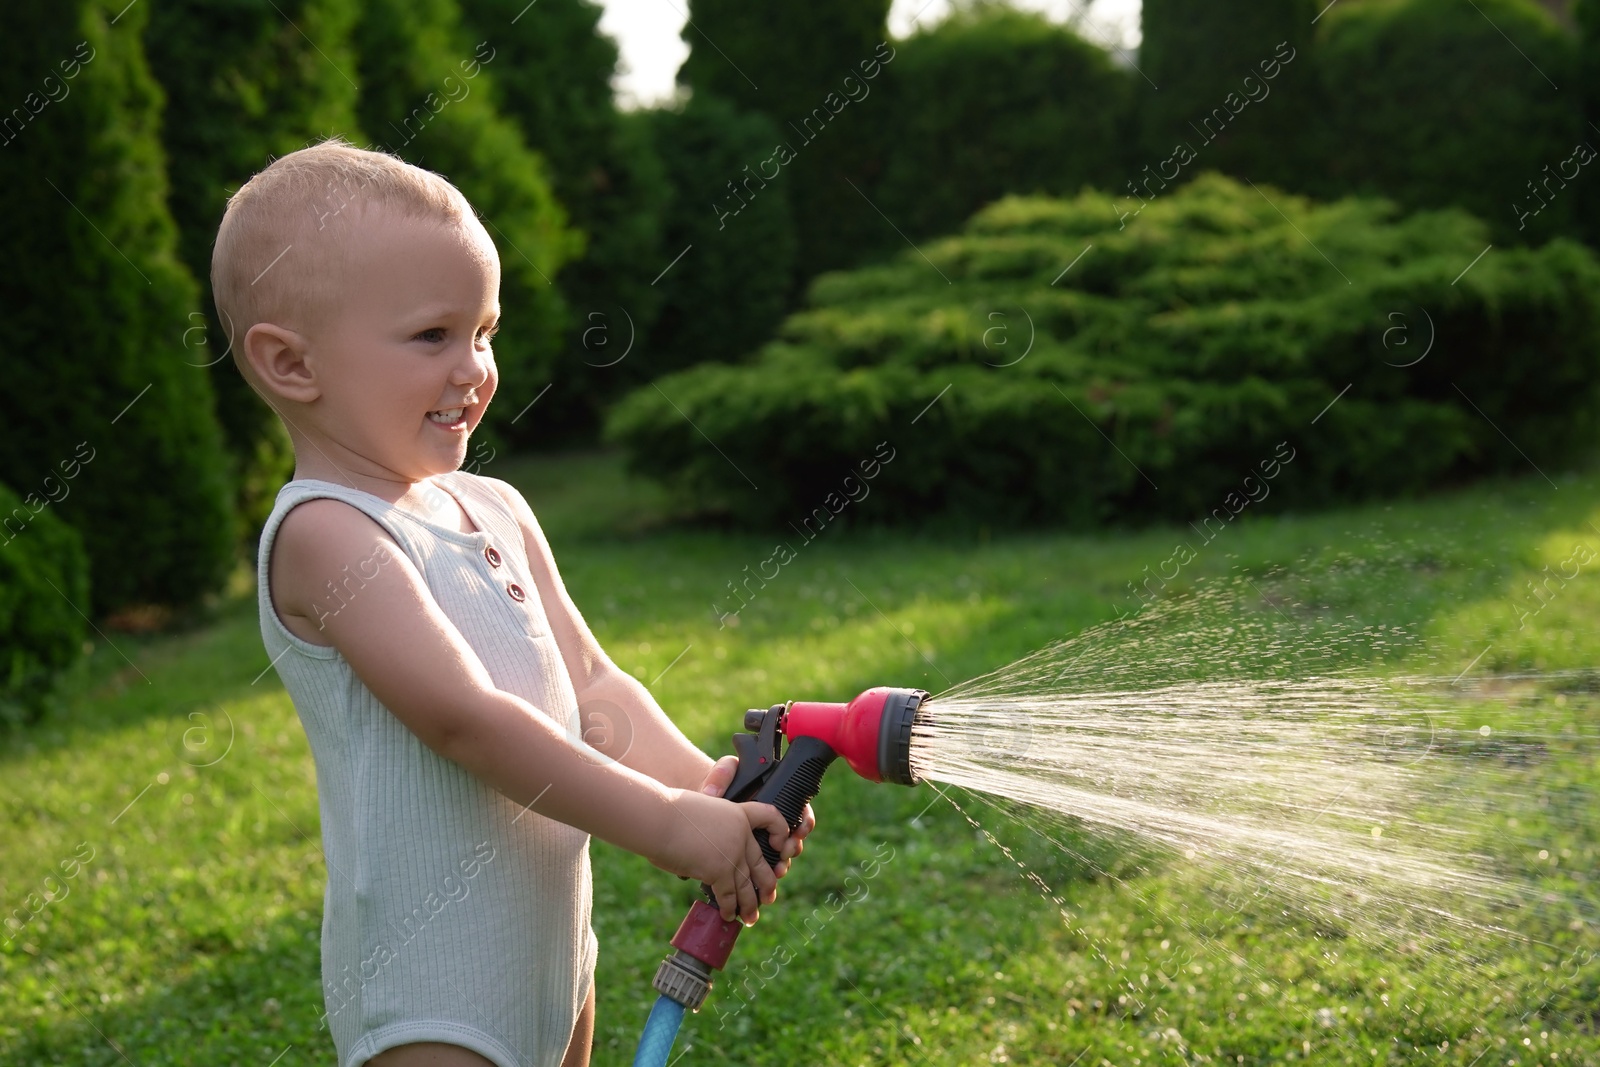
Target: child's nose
[475,369]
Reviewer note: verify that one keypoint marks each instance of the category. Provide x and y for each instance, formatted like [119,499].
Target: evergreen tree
[1194,63]
[728,250]
[1586,208]
[991,101]
[96,293]
[1410,116]
[244,85]
[791,63]
[1587,15]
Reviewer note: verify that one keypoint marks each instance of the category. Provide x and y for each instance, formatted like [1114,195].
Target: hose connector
[703,944]
[684,979]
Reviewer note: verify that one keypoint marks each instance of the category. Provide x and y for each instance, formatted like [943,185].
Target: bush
[1410,117]
[1183,348]
[95,292]
[1209,59]
[731,286]
[1587,15]
[43,574]
[243,86]
[994,101]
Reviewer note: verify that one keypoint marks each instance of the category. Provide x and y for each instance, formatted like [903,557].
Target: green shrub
[428,95]
[1587,207]
[1179,352]
[43,574]
[994,101]
[243,85]
[732,284]
[94,291]
[1209,59]
[1433,102]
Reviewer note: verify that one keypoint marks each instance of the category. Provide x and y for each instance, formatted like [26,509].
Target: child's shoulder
[506,493]
[504,490]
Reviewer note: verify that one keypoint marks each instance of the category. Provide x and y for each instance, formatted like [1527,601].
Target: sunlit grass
[191,936]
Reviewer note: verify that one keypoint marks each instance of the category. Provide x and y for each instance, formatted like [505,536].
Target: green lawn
[168,803]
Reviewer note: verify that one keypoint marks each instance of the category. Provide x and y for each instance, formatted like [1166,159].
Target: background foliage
[1453,142]
[96,289]
[964,282]
[553,79]
[783,60]
[40,632]
[994,101]
[1195,54]
[427,93]
[1151,376]
[737,260]
[241,82]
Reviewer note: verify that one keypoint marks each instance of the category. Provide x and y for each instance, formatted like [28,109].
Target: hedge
[1434,102]
[994,101]
[1080,367]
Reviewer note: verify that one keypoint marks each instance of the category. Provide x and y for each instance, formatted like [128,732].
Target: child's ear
[278,356]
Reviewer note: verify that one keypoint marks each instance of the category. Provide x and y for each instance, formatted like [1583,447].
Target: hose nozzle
[872,733]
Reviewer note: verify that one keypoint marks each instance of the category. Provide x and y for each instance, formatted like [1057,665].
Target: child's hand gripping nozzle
[872,733]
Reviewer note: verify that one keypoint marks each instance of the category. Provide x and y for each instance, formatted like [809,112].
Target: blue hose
[660,1031]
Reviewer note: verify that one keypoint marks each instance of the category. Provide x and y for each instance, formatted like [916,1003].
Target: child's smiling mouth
[449,418]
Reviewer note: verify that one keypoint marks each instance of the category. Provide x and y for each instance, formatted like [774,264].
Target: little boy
[417,619]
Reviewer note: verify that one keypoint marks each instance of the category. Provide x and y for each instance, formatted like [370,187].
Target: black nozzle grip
[792,785]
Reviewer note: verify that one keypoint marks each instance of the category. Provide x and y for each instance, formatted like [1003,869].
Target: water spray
[1221,734]
[872,733]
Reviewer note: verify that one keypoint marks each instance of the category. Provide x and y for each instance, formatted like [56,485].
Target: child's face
[405,369]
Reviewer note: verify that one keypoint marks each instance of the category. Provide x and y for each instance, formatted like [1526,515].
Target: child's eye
[487,335]
[427,335]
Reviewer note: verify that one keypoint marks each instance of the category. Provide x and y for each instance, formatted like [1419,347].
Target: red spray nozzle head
[872,732]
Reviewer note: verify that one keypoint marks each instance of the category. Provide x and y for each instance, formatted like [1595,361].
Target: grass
[167,804]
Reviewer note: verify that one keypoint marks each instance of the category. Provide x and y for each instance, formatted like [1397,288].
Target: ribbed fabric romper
[451,914]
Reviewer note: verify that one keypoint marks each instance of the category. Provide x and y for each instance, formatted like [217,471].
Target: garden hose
[872,733]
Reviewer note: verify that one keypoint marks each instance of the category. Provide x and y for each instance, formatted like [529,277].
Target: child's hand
[714,840]
[716,784]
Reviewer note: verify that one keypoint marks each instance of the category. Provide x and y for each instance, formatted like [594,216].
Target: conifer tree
[97,303]
[1193,63]
[244,85]
[790,62]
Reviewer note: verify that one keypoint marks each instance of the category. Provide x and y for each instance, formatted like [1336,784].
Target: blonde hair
[280,247]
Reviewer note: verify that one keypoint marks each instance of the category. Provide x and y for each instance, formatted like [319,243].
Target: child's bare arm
[416,663]
[658,748]
[648,740]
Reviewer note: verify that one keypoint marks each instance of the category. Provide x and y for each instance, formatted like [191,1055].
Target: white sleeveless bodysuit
[451,914]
